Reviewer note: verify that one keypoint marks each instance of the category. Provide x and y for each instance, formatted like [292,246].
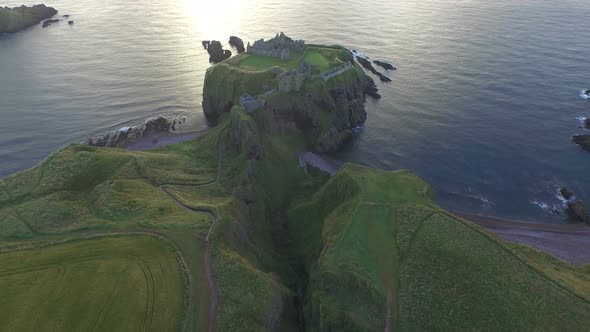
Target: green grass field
[290,249]
[317,59]
[127,283]
[385,235]
[260,62]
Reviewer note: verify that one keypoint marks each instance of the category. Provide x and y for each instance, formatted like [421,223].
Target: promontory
[19,18]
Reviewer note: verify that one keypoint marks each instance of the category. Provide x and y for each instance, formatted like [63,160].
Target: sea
[482,106]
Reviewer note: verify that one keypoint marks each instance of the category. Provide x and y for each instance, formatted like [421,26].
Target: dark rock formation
[244,134]
[587,92]
[49,22]
[125,135]
[368,66]
[206,44]
[583,141]
[237,43]
[19,18]
[385,65]
[576,208]
[70,22]
[566,194]
[217,53]
[371,89]
[587,123]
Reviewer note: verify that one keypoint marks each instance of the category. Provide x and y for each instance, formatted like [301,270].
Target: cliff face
[324,112]
[20,18]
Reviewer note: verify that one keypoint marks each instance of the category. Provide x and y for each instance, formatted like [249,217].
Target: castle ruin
[293,79]
[278,47]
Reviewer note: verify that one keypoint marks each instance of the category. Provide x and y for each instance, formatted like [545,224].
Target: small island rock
[237,43]
[217,53]
[385,65]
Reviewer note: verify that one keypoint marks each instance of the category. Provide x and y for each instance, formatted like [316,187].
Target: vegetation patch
[124,283]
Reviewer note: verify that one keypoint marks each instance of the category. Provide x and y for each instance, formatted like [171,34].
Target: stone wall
[278,47]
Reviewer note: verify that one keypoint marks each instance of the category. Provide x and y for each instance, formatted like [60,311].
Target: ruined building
[293,79]
[278,47]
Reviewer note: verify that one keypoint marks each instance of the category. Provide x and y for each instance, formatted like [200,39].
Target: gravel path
[213,290]
[320,161]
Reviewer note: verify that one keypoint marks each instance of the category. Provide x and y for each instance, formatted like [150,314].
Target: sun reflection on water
[216,19]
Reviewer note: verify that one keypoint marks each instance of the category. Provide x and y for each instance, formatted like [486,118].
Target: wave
[359,55]
[582,122]
[554,207]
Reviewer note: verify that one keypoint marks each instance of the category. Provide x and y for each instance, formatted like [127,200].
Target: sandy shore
[163,139]
[570,243]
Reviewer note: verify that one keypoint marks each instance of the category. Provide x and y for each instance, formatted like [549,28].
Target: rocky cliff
[19,18]
[326,112]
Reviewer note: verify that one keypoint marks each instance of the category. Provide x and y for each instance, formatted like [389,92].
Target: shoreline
[568,242]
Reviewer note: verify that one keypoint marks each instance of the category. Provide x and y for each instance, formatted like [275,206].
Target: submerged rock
[367,65]
[385,65]
[217,53]
[237,43]
[49,22]
[583,141]
[70,22]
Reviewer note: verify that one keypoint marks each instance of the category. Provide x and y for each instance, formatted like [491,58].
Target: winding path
[213,290]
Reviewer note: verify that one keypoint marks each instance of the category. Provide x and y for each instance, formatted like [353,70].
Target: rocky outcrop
[583,141]
[576,208]
[206,44]
[371,89]
[385,65]
[19,18]
[326,112]
[128,134]
[244,134]
[47,23]
[217,53]
[368,66]
[342,105]
[237,43]
[587,93]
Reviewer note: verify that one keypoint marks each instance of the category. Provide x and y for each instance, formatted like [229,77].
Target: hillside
[228,232]
[19,18]
[292,249]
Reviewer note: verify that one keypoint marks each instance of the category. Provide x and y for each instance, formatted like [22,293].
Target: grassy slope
[385,234]
[345,244]
[97,190]
[260,62]
[102,283]
[12,20]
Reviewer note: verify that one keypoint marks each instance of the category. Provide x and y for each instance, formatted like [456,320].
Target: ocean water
[483,105]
